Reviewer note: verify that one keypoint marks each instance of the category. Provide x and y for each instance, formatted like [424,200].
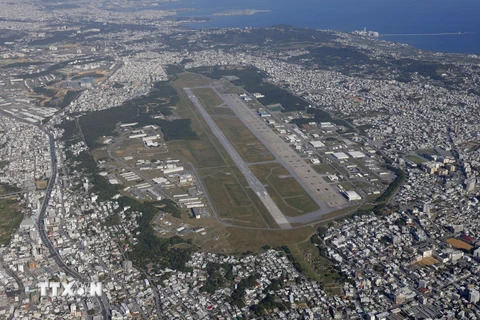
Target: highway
[253,182]
[43,234]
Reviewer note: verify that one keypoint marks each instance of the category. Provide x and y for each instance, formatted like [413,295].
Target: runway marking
[253,182]
[326,199]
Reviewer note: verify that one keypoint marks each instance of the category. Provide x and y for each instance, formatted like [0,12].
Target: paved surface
[324,195]
[102,302]
[253,182]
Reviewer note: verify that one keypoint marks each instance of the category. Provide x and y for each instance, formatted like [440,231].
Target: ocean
[383,16]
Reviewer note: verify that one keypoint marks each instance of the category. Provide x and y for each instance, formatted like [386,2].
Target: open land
[10,218]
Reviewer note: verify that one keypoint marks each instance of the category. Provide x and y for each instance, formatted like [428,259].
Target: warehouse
[351,195]
[356,154]
[340,155]
[317,144]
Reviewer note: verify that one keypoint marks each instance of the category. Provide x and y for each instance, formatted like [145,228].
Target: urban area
[255,173]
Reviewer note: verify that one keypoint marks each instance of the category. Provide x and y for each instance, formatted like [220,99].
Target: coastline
[409,17]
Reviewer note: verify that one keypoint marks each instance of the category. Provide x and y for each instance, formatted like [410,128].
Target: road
[103,302]
[8,195]
[252,181]
[43,234]
[21,287]
[327,198]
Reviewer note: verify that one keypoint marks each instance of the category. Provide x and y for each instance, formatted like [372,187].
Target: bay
[383,16]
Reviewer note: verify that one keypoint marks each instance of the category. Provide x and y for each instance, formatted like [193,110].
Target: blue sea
[383,16]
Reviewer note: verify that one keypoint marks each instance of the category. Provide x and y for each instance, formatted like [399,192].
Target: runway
[326,197]
[253,182]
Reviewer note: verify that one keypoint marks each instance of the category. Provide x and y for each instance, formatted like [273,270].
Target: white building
[356,154]
[317,144]
[340,156]
[352,195]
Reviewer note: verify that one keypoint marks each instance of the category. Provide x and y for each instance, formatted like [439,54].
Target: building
[326,124]
[340,156]
[476,253]
[131,124]
[139,135]
[155,194]
[127,265]
[352,195]
[317,144]
[195,213]
[426,208]
[356,154]
[473,296]
[470,184]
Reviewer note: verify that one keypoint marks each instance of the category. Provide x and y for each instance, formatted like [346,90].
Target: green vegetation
[267,304]
[21,64]
[240,240]
[252,80]
[327,273]
[218,275]
[392,188]
[320,115]
[279,36]
[173,69]
[223,181]
[172,130]
[151,250]
[364,128]
[85,163]
[113,220]
[415,159]
[10,218]
[94,75]
[160,99]
[292,259]
[65,101]
[4,163]
[210,100]
[323,168]
[285,191]
[428,69]
[7,189]
[234,202]
[45,91]
[71,133]
[243,140]
[51,69]
[343,59]
[239,292]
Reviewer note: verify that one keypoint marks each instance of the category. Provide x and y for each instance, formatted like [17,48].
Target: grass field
[416,159]
[211,101]
[238,240]
[10,219]
[324,168]
[315,266]
[233,201]
[243,140]
[289,196]
[459,244]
